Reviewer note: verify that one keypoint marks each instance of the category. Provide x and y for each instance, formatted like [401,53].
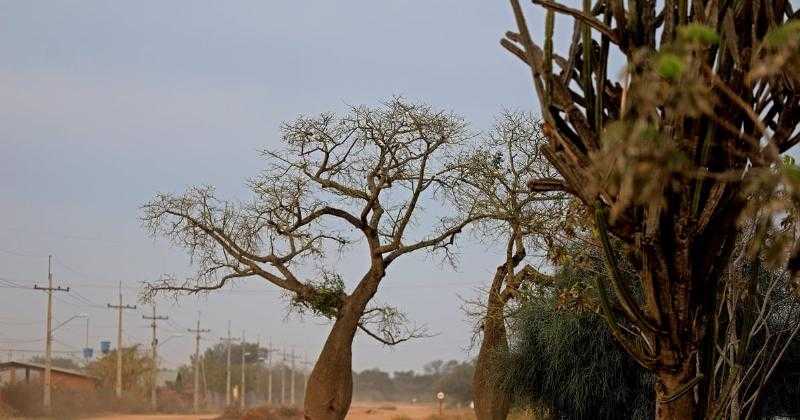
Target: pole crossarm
[121,306]
[52,289]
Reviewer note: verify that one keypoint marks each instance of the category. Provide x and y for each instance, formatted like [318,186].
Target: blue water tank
[105,347]
[88,352]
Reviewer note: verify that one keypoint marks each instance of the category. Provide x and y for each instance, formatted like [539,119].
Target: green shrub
[568,361]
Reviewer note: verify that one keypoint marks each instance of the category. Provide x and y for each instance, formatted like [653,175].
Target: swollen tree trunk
[491,403]
[330,385]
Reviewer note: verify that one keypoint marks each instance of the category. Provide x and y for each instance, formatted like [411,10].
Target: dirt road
[392,411]
[358,411]
[156,417]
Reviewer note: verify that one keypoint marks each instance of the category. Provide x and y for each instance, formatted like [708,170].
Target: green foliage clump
[669,66]
[325,300]
[567,362]
[783,35]
[698,34]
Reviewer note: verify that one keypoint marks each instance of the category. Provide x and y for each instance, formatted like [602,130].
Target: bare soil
[394,411]
[155,417]
[358,411]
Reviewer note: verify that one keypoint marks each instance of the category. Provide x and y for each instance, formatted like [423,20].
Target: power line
[19,254]
[20,322]
[8,283]
[17,340]
[37,351]
[84,298]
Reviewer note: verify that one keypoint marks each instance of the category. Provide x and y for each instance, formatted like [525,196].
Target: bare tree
[360,177]
[757,318]
[672,157]
[494,184]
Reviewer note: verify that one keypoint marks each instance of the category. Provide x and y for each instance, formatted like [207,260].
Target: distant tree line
[258,367]
[452,377]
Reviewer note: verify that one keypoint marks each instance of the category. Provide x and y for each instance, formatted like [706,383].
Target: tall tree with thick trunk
[360,177]
[494,184]
[670,158]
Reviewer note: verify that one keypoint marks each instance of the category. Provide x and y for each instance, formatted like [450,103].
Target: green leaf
[669,66]
[791,171]
[700,34]
[782,35]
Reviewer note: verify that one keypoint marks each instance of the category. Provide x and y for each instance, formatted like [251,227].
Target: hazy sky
[105,103]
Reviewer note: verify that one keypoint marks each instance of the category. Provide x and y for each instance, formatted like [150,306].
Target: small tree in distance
[360,177]
[494,183]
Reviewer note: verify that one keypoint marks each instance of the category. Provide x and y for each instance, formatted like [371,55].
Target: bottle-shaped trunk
[491,403]
[330,385]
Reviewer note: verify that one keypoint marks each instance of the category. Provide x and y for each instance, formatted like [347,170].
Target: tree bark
[491,403]
[668,385]
[330,385]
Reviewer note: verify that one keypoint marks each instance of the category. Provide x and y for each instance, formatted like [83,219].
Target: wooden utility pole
[292,382]
[198,331]
[119,308]
[203,375]
[228,341]
[257,391]
[283,379]
[154,373]
[292,358]
[48,346]
[242,402]
[269,372]
[86,345]
[306,365]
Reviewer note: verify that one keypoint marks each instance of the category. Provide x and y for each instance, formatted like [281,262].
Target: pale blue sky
[105,103]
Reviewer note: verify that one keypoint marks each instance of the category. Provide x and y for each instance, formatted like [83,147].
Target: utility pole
[283,378]
[306,373]
[292,359]
[48,346]
[258,378]
[205,379]
[198,331]
[86,345]
[292,383]
[269,372]
[119,309]
[154,373]
[228,341]
[242,402]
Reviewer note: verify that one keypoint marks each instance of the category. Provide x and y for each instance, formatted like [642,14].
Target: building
[14,372]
